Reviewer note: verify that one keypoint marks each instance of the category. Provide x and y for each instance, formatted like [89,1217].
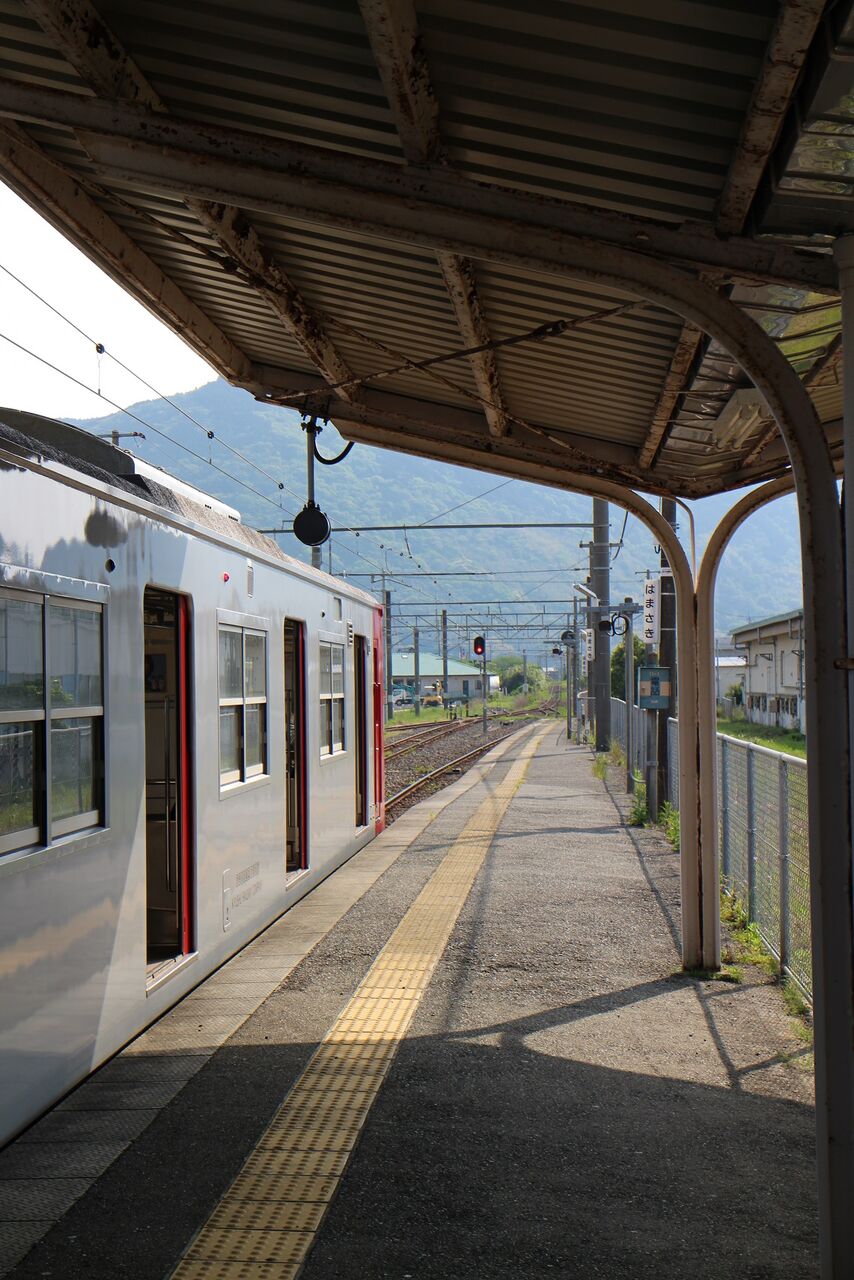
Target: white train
[190,739]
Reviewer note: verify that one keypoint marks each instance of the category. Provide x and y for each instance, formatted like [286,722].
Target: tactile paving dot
[208,1269]
[267,1221]
[254,1186]
[239,1244]
[262,1215]
[283,1164]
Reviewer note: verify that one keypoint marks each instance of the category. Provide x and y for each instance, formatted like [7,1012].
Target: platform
[470,1052]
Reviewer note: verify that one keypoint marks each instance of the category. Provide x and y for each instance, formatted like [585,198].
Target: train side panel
[75,984]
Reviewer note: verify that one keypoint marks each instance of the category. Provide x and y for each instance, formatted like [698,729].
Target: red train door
[296,748]
[168,778]
[379,721]
[362,748]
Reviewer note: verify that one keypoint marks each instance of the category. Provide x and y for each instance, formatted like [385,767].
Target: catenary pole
[600,584]
[389,674]
[667,658]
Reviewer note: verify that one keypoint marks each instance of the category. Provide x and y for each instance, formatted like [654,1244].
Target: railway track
[420,783]
[414,740]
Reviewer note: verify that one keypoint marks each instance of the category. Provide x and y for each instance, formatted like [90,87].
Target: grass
[766,736]
[600,766]
[668,818]
[639,811]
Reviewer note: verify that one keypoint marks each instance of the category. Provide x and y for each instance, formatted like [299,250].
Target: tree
[536,679]
[618,665]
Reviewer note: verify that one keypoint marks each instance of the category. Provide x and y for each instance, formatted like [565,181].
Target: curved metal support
[706,579]
[825,682]
[686,641]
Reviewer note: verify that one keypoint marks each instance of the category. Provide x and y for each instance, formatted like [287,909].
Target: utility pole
[570,670]
[444,653]
[666,658]
[417,658]
[629,640]
[484,678]
[600,583]
[524,671]
[575,672]
[389,675]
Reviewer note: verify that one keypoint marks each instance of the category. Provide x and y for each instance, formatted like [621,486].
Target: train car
[190,740]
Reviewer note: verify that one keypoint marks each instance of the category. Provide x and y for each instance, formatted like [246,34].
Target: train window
[331,698]
[242,704]
[51,723]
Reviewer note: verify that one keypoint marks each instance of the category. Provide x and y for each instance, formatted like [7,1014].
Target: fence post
[751,839]
[783,844]
[724,816]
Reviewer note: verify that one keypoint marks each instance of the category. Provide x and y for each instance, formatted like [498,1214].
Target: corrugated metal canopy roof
[235,169]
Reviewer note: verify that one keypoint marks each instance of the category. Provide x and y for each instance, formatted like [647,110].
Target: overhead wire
[101,351]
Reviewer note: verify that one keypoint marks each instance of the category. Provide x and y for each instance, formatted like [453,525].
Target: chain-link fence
[762,832]
[618,732]
[764,847]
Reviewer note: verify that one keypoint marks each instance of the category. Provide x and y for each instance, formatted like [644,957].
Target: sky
[40,256]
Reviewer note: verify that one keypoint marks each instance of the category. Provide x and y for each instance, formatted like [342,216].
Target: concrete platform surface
[564,1102]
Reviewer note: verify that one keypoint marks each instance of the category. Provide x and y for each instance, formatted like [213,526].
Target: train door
[361,752]
[296,793]
[167,778]
[379,720]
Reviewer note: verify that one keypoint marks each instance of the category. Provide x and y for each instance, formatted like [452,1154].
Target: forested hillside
[760,574]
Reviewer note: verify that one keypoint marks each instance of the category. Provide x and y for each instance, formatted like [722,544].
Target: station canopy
[365,209]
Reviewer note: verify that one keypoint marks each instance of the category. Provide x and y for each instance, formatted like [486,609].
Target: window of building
[331,698]
[242,704]
[51,718]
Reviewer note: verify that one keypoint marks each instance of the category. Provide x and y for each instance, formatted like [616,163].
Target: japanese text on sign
[651,630]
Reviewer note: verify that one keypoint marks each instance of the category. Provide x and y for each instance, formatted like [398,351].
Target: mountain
[760,574]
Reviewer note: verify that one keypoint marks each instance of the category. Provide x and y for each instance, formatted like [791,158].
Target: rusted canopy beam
[828,366]
[680,367]
[233,232]
[796,25]
[292,176]
[459,277]
[392,28]
[99,58]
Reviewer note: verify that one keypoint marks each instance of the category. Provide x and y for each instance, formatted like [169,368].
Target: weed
[639,812]
[726,973]
[794,1000]
[617,755]
[668,817]
[600,767]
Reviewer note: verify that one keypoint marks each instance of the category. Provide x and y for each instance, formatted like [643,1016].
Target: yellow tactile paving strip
[267,1221]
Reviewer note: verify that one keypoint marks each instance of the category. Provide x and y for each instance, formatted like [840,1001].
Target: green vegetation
[668,818]
[766,736]
[639,812]
[617,756]
[618,665]
[600,766]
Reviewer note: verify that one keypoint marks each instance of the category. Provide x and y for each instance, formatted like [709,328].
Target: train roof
[105,463]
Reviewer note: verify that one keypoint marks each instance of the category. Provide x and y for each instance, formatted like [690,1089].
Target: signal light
[479,646]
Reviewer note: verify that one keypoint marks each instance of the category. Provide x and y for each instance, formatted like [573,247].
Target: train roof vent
[74,445]
[149,472]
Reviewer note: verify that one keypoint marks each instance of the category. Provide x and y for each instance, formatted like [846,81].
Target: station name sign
[654,688]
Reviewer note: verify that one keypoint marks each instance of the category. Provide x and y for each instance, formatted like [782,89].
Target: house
[464,678]
[730,669]
[774,674]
